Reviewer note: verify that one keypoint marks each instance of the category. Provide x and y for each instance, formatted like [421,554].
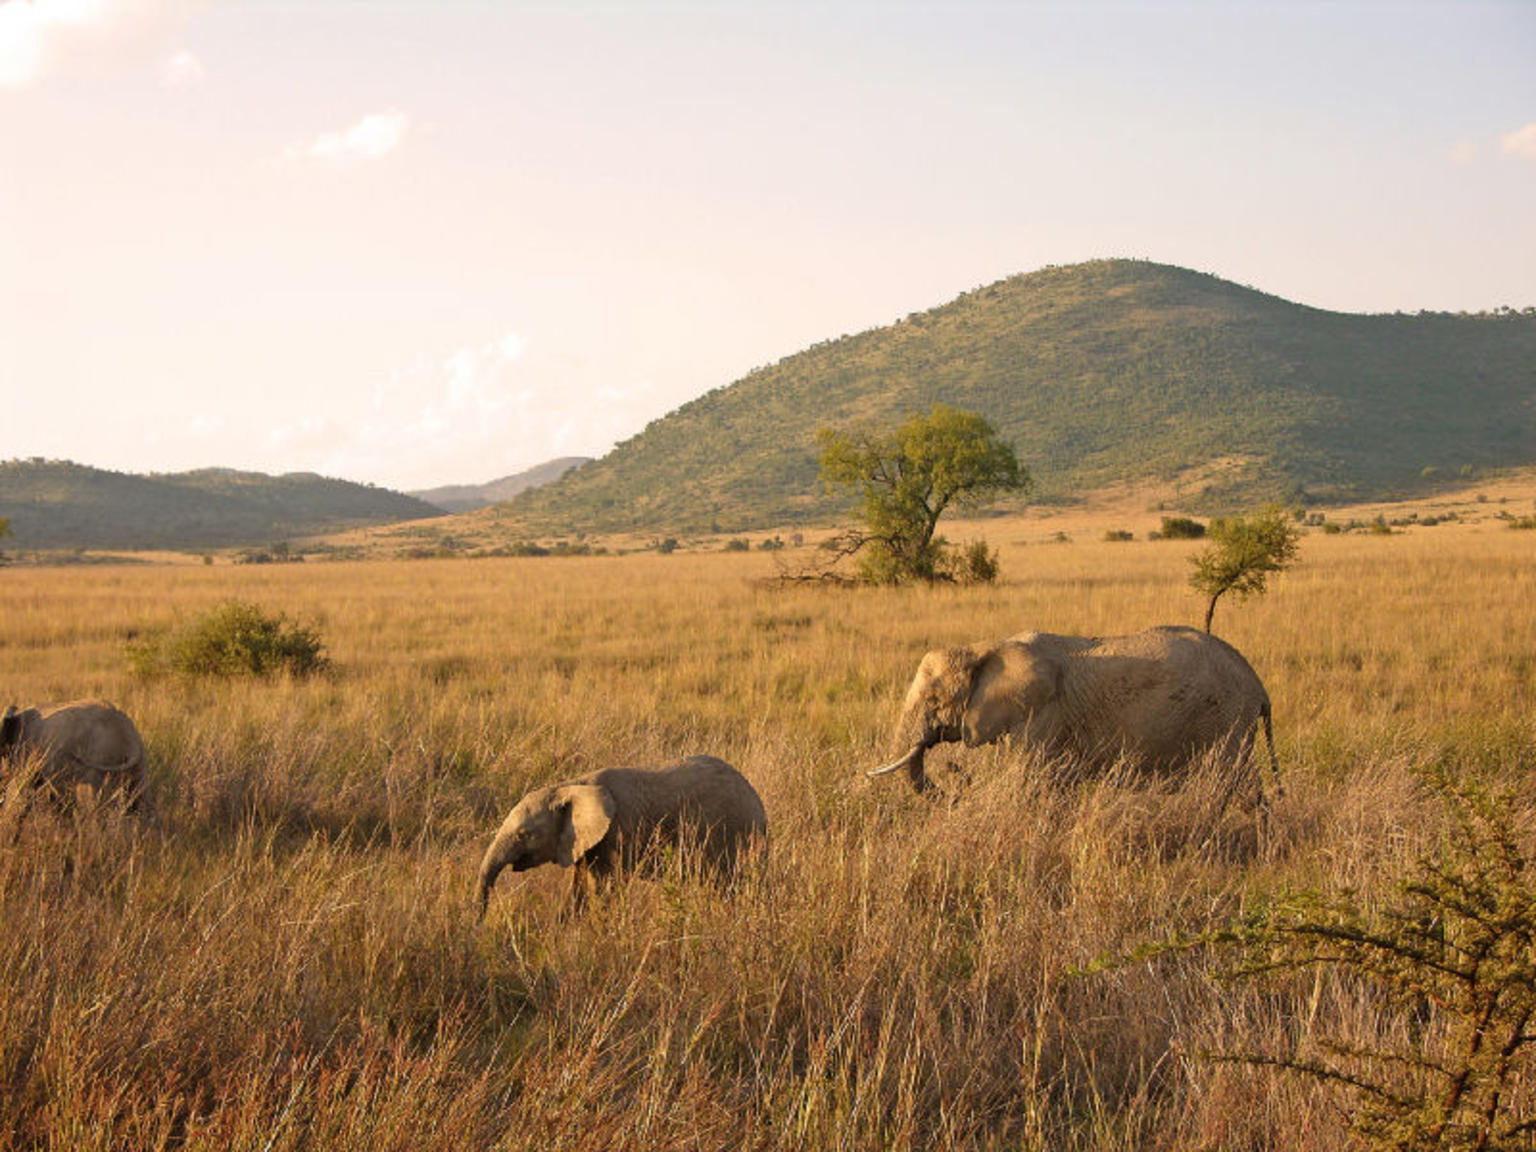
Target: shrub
[235,639]
[1181,528]
[976,564]
[1453,957]
[740,544]
[1118,535]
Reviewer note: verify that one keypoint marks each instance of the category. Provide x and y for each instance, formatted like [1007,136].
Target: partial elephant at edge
[87,743]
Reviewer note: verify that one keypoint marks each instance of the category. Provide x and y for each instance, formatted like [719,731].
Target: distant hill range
[1099,373]
[468,497]
[58,504]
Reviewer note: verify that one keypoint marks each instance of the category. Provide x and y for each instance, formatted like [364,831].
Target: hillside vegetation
[1099,373]
[59,504]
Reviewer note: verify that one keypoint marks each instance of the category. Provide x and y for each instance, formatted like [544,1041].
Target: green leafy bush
[1181,528]
[235,639]
[975,563]
[1452,958]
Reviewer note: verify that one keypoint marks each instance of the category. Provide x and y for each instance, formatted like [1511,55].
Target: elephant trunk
[490,868]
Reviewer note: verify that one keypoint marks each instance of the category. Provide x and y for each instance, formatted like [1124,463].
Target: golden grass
[286,957]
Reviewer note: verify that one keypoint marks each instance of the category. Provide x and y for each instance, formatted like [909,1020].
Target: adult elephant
[1157,699]
[619,818]
[83,742]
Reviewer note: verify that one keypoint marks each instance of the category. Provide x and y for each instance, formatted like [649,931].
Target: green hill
[1101,372]
[58,504]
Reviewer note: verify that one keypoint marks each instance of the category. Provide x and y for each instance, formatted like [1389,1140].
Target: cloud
[31,33]
[481,411]
[371,138]
[1521,142]
[183,70]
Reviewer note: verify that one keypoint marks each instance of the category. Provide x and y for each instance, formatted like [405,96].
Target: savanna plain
[286,956]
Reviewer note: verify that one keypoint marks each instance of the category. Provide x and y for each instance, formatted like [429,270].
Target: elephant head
[977,695]
[556,825]
[14,727]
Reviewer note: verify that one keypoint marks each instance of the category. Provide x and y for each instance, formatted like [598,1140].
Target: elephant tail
[1266,715]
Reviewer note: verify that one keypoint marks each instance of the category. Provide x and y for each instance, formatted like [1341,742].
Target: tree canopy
[1242,554]
[907,478]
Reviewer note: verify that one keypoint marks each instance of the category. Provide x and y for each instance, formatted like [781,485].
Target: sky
[439,242]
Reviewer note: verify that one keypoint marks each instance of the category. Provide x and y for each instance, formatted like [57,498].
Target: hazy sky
[439,242]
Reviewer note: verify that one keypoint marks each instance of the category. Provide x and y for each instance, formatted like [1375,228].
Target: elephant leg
[589,878]
[582,889]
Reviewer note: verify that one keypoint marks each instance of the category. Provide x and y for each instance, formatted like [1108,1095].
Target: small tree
[1242,554]
[1449,958]
[907,478]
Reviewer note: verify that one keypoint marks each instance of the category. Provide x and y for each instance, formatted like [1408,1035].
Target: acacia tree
[908,477]
[1242,554]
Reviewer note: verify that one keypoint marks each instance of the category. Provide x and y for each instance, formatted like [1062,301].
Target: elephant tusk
[904,762]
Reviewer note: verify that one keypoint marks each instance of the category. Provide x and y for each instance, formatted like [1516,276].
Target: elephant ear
[589,811]
[1014,687]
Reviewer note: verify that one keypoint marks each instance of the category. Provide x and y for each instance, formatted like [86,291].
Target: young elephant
[83,742]
[612,819]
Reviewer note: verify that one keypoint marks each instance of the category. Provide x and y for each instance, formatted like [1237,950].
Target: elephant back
[700,797]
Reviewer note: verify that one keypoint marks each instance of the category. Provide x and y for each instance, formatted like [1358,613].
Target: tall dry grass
[285,957]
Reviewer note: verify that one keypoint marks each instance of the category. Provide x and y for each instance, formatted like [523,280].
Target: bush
[740,544]
[976,564]
[1118,535]
[1452,958]
[235,639]
[1181,528]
